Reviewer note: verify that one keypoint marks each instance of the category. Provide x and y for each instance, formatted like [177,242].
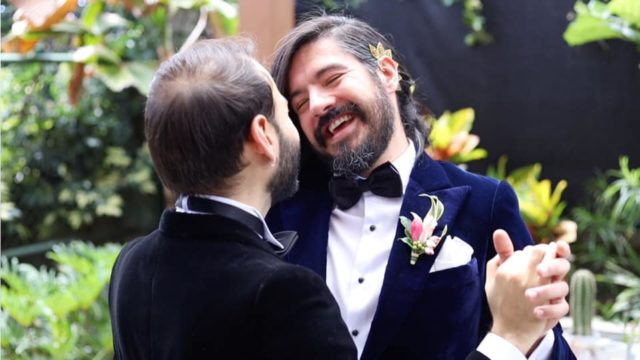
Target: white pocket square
[455,252]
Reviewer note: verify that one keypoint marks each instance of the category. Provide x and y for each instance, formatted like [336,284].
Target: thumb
[503,245]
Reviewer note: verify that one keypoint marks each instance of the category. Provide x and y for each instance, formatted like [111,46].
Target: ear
[263,137]
[389,74]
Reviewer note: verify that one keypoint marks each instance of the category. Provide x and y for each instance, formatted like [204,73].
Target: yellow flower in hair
[379,52]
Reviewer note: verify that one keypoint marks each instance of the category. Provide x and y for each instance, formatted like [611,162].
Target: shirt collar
[404,164]
[181,206]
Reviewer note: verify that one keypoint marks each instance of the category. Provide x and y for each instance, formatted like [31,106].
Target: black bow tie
[286,238]
[383,181]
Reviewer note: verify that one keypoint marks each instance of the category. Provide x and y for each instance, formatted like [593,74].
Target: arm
[549,296]
[299,318]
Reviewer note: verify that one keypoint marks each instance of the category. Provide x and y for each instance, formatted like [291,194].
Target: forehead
[312,58]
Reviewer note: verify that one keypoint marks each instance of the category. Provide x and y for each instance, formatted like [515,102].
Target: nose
[320,102]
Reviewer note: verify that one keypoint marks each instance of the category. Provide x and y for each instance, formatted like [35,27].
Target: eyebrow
[319,74]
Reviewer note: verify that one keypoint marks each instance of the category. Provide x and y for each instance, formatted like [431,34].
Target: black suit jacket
[206,286]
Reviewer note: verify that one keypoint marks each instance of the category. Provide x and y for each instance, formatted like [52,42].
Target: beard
[355,160]
[284,182]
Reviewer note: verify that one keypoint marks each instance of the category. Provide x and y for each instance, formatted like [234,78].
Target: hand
[554,268]
[509,275]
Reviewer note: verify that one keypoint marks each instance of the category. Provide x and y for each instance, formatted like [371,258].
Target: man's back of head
[199,111]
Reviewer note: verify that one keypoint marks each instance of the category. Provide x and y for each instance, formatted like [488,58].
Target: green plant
[608,221]
[72,91]
[583,298]
[449,138]
[69,166]
[626,305]
[602,20]
[63,314]
[540,205]
[609,240]
[474,20]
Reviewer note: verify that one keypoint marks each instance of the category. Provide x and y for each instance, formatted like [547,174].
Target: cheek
[308,130]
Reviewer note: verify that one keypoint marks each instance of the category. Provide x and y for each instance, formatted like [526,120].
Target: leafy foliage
[68,165]
[72,98]
[61,314]
[610,219]
[540,204]
[609,240]
[450,138]
[474,20]
[600,20]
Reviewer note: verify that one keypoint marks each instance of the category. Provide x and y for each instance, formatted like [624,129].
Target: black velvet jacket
[206,286]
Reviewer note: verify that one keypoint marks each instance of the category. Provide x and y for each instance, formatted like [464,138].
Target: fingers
[554,292]
[554,268]
[551,251]
[536,255]
[503,245]
[552,311]
[564,250]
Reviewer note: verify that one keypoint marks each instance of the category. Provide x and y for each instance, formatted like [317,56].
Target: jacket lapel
[310,218]
[403,282]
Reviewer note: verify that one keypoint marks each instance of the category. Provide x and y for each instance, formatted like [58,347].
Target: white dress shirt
[359,244]
[358,248]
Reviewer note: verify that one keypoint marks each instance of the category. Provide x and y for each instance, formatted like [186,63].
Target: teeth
[337,122]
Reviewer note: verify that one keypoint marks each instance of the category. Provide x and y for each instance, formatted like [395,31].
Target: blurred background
[544,94]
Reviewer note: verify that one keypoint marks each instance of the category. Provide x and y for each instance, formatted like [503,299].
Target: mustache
[326,118]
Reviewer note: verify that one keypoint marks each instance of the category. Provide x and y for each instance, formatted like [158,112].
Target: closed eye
[299,105]
[332,79]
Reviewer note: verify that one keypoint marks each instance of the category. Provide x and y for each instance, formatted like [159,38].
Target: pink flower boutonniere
[419,232]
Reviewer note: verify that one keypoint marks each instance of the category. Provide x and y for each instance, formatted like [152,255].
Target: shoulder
[459,177]
[483,187]
[137,248]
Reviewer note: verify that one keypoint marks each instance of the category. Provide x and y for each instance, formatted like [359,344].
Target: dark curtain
[574,110]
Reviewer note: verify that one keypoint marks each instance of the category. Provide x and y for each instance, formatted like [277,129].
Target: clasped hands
[526,290]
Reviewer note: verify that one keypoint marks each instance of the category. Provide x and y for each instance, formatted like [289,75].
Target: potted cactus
[586,343]
[582,301]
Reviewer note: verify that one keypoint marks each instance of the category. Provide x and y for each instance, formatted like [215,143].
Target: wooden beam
[267,21]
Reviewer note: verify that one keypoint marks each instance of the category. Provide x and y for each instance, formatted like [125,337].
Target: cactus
[582,301]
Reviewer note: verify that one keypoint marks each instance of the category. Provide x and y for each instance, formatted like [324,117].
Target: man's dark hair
[354,37]
[199,111]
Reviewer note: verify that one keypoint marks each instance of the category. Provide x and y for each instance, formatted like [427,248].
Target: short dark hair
[199,111]
[354,37]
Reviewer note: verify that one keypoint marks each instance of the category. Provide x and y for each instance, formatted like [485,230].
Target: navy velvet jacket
[422,315]
[207,287]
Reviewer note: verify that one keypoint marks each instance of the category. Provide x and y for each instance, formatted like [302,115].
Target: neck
[249,194]
[262,201]
[397,145]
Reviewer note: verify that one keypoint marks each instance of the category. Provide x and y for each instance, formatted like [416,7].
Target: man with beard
[381,209]
[208,283]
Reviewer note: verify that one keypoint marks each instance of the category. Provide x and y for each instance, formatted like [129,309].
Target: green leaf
[475,154]
[91,13]
[95,53]
[136,74]
[108,21]
[407,241]
[406,222]
[629,10]
[586,28]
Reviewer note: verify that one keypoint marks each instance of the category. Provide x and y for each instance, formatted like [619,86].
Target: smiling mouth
[337,123]
[335,120]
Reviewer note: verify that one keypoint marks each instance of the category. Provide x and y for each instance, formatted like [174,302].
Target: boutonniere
[419,231]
